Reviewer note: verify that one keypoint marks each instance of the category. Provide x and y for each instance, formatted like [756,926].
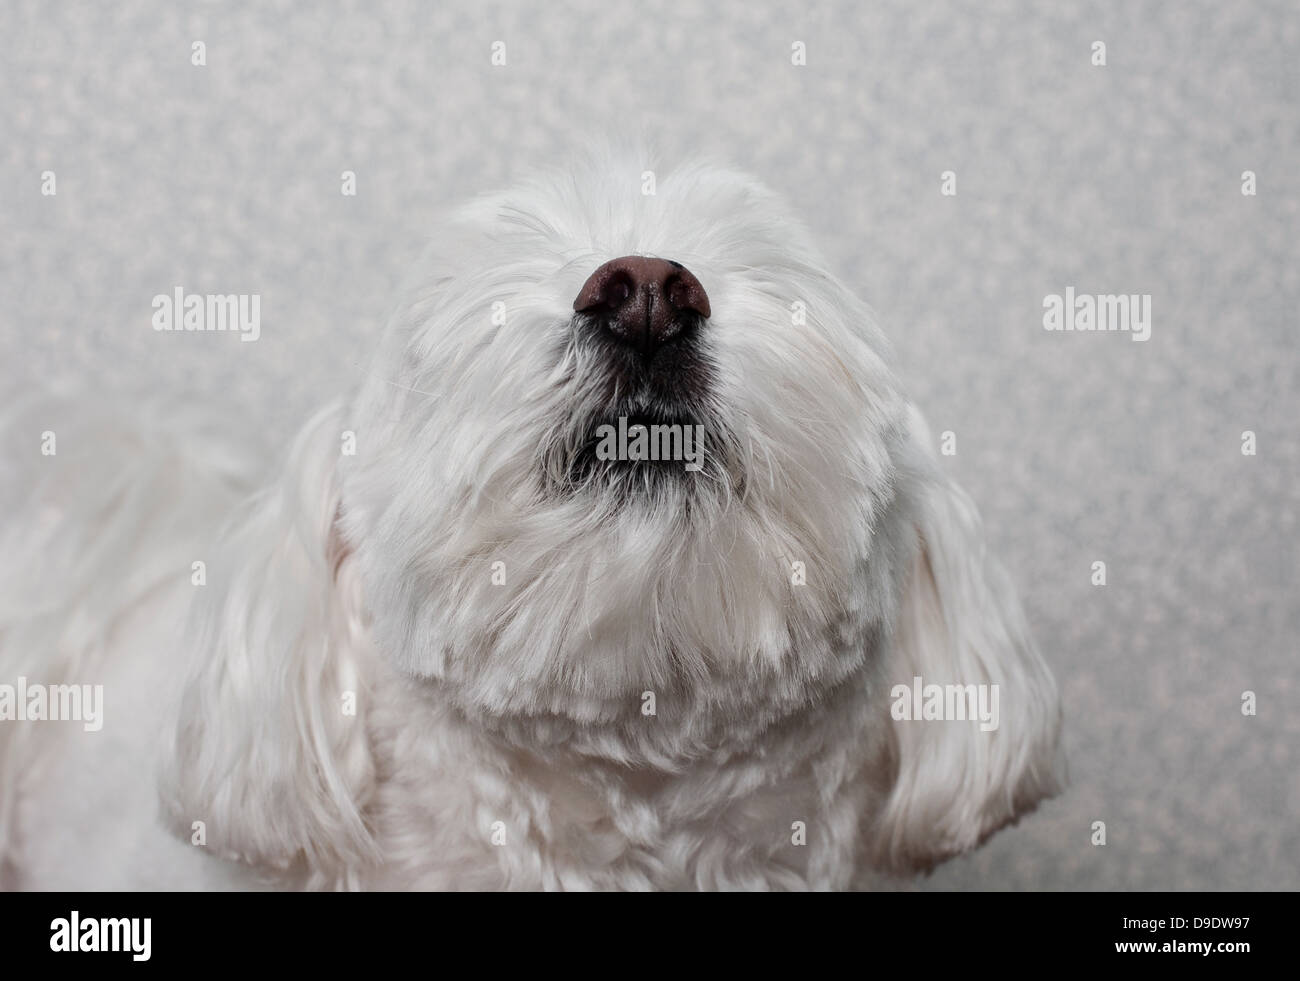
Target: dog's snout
[642,301]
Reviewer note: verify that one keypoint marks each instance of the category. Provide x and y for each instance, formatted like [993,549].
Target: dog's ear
[960,623]
[271,753]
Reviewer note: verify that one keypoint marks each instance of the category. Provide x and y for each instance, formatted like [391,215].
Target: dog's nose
[644,302]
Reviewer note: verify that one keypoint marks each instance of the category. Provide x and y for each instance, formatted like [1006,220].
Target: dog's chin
[591,470]
[627,394]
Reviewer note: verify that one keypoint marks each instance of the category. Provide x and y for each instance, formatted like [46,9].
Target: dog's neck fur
[619,805]
[627,795]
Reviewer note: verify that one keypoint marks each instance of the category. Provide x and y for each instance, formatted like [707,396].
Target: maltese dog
[628,565]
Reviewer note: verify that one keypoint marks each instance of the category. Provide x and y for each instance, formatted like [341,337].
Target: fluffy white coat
[500,737]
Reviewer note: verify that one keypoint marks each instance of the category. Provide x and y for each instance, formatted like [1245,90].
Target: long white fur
[499,739]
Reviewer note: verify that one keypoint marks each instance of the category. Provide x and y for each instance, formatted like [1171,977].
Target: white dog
[475,631]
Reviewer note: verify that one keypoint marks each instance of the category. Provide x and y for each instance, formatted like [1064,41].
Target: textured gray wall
[1123,178]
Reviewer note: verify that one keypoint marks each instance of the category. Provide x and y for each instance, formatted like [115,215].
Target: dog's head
[629,435]
[620,441]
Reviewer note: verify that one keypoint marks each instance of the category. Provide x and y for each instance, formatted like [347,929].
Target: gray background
[1077,446]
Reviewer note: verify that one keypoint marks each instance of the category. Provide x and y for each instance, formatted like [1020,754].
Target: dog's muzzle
[644,303]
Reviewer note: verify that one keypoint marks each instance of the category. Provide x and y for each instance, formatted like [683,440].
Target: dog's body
[472,655]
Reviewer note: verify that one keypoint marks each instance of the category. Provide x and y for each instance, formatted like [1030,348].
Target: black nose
[642,301]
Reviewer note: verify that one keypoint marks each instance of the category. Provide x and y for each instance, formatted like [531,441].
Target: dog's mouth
[640,421]
[637,434]
[664,383]
[642,450]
